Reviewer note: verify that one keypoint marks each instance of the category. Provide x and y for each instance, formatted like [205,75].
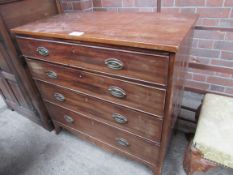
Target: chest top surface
[156,31]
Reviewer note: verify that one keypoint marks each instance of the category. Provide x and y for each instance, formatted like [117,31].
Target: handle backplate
[117,92]
[68,119]
[42,51]
[122,142]
[59,97]
[114,64]
[119,118]
[51,74]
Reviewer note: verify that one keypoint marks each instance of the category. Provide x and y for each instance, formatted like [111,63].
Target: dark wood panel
[140,123]
[134,145]
[103,87]
[36,10]
[135,65]
[24,97]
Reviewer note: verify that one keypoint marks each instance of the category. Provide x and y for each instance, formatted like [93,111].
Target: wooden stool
[212,145]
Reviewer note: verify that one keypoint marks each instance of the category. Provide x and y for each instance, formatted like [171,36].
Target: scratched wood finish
[164,38]
[138,147]
[98,86]
[140,123]
[140,66]
[142,30]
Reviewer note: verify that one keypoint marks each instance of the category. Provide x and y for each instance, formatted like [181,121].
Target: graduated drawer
[136,122]
[130,143]
[145,67]
[144,98]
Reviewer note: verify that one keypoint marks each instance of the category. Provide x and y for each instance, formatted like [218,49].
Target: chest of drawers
[114,79]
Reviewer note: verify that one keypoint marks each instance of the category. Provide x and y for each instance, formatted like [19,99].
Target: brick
[229,36]
[227,55]
[224,63]
[208,44]
[210,22]
[224,45]
[131,9]
[97,3]
[205,34]
[201,60]
[214,3]
[67,6]
[229,90]
[228,3]
[145,3]
[111,3]
[205,53]
[217,88]
[170,10]
[190,3]
[147,9]
[199,77]
[167,3]
[187,10]
[214,12]
[128,3]
[218,74]
[220,81]
[199,71]
[226,23]
[194,43]
[198,85]
[189,76]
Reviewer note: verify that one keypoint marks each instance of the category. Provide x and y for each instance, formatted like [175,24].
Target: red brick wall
[209,47]
[71,5]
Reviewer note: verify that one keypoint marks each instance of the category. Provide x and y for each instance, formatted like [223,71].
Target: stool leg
[193,161]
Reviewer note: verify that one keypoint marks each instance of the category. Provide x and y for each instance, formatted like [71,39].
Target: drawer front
[128,64]
[143,149]
[106,88]
[137,122]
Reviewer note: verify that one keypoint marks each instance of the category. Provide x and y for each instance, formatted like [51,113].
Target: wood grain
[137,65]
[144,150]
[139,123]
[98,86]
[141,30]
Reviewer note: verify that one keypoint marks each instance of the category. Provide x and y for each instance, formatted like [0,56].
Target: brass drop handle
[117,92]
[114,64]
[52,74]
[119,118]
[42,51]
[122,142]
[59,97]
[68,119]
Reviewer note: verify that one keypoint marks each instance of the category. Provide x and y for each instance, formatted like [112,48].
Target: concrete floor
[27,149]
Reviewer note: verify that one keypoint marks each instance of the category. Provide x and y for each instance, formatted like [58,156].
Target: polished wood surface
[142,66]
[158,31]
[139,123]
[98,86]
[136,146]
[147,65]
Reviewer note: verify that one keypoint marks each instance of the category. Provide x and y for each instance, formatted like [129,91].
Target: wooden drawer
[146,67]
[128,142]
[136,122]
[110,89]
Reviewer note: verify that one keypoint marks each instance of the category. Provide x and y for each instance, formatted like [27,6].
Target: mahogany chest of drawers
[114,79]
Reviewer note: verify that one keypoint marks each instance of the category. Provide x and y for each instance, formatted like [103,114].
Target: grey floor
[27,149]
